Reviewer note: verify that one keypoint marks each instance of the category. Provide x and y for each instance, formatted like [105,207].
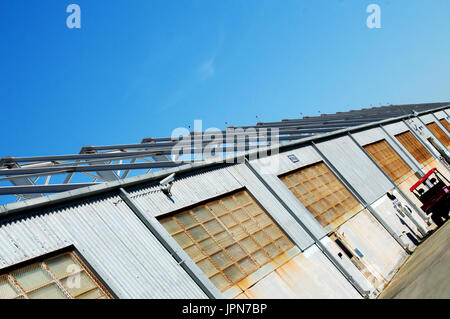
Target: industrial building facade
[320,226]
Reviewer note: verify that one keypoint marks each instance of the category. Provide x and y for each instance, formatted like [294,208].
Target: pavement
[426,273]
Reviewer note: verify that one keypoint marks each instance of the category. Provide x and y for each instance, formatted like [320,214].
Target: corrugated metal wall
[186,191]
[396,128]
[281,164]
[440,114]
[235,177]
[428,118]
[113,241]
[134,264]
[339,153]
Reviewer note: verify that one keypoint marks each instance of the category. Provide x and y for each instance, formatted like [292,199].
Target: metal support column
[410,202]
[173,248]
[317,241]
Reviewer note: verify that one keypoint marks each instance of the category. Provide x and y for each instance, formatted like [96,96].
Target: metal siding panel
[19,251]
[7,254]
[113,241]
[369,136]
[356,167]
[143,257]
[428,118]
[186,191]
[440,115]
[106,242]
[105,270]
[282,164]
[396,128]
[90,245]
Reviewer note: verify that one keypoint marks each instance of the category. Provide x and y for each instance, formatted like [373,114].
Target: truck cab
[433,191]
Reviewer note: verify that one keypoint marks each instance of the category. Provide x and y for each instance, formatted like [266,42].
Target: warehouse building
[322,224]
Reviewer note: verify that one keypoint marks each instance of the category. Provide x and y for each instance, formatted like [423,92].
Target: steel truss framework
[29,177]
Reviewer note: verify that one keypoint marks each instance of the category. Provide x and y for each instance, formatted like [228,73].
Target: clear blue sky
[140,68]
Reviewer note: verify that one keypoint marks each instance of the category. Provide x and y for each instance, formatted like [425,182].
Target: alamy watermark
[73,21]
[73,281]
[374,19]
[230,146]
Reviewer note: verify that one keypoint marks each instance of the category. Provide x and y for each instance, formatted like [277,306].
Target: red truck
[434,193]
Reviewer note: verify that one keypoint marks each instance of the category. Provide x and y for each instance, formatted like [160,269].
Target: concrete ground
[426,273]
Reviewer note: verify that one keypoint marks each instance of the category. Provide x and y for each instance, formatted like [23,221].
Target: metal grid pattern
[445,123]
[60,277]
[414,147]
[389,161]
[228,238]
[321,193]
[440,134]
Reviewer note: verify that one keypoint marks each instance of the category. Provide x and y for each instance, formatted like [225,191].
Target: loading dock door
[389,161]
[394,166]
[230,238]
[440,134]
[325,197]
[414,147]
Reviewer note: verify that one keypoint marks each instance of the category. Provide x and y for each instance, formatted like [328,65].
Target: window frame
[421,147]
[86,266]
[436,131]
[397,180]
[329,228]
